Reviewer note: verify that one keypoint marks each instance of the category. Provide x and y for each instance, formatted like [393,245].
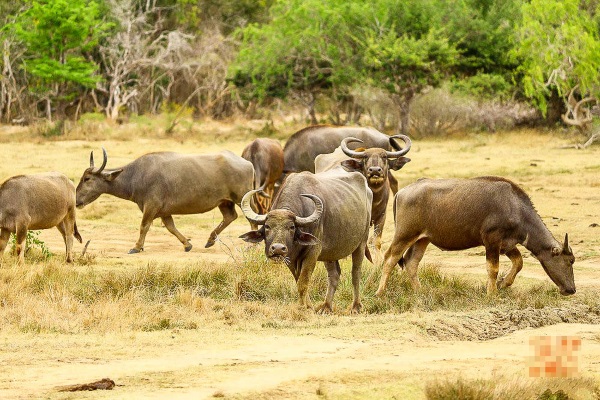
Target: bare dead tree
[12,90]
[577,113]
[140,59]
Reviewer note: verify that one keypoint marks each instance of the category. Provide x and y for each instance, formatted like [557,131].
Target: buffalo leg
[308,266]
[492,258]
[4,236]
[333,273]
[68,238]
[170,225]
[358,257]
[393,182]
[412,258]
[517,264]
[376,238]
[20,237]
[392,256]
[147,219]
[227,208]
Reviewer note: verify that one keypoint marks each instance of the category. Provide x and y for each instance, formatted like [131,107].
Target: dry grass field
[223,322]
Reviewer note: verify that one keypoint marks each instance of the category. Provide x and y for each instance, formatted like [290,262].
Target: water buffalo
[457,214]
[374,164]
[37,201]
[304,146]
[316,217]
[266,155]
[164,184]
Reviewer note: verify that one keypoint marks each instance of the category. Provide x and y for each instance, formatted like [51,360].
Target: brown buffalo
[316,217]
[375,164]
[164,184]
[457,214]
[37,201]
[266,155]
[303,147]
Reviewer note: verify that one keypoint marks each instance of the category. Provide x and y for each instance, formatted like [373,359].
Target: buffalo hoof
[135,251]
[356,308]
[324,309]
[188,247]
[208,244]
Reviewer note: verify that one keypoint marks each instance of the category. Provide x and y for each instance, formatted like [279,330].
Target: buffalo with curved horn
[303,147]
[164,184]
[316,217]
[375,164]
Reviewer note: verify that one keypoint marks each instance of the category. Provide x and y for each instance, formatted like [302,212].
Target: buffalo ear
[351,165]
[556,251]
[110,176]
[306,239]
[398,163]
[253,236]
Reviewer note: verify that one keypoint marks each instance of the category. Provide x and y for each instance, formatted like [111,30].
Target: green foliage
[483,86]
[558,47]
[32,241]
[303,48]
[59,36]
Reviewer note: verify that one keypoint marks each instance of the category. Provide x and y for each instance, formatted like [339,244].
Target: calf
[37,201]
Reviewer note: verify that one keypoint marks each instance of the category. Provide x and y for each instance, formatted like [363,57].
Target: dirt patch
[496,323]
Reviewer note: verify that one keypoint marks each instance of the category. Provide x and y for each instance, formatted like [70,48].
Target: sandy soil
[374,356]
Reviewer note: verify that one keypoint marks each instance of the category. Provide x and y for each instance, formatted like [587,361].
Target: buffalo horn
[104,160]
[252,216]
[566,245]
[352,153]
[399,153]
[302,221]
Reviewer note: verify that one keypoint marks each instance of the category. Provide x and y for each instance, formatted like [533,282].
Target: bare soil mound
[496,323]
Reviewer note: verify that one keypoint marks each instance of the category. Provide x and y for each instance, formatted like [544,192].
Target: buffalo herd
[313,200]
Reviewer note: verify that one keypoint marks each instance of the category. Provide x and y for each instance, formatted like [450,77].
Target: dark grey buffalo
[375,164]
[304,146]
[37,201]
[164,184]
[489,211]
[266,155]
[316,217]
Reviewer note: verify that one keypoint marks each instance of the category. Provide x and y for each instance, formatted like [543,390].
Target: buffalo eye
[267,227]
[292,227]
[86,179]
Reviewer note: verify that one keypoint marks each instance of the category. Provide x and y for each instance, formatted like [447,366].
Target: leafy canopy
[58,34]
[558,44]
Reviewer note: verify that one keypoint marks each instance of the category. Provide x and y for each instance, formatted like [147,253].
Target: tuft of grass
[505,388]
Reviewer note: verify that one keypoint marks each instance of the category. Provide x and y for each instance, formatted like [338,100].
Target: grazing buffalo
[374,164]
[457,214]
[266,155]
[165,184]
[316,217]
[304,146]
[38,201]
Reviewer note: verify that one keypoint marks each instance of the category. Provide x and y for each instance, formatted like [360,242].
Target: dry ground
[339,356]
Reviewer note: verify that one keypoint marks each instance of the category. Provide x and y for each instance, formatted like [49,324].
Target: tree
[558,45]
[58,36]
[304,50]
[406,49]
[140,56]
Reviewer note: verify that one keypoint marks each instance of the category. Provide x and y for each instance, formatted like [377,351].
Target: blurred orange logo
[554,356]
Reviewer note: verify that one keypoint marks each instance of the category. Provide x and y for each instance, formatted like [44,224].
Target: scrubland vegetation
[164,291]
